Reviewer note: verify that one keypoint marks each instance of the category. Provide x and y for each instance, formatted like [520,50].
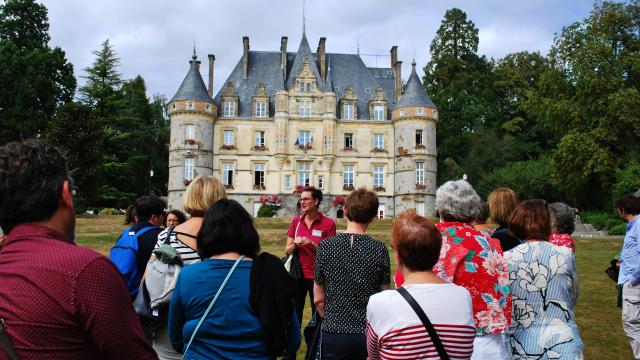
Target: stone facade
[324,120]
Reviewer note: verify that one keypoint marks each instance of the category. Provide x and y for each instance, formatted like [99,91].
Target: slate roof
[414,93]
[192,87]
[342,70]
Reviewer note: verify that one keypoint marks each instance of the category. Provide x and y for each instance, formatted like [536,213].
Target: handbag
[292,261]
[213,301]
[426,322]
[5,342]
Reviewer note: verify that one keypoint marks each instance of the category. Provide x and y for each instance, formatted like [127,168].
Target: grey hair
[457,201]
[562,217]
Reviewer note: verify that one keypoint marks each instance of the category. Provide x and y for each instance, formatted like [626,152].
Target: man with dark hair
[58,300]
[628,207]
[150,214]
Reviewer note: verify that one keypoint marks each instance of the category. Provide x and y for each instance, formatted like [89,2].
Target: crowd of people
[463,288]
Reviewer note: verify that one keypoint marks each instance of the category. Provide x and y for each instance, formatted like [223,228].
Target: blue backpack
[124,255]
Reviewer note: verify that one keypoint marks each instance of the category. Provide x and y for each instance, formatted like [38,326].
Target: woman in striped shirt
[201,194]
[394,330]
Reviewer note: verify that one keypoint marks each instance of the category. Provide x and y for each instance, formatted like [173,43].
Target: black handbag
[292,264]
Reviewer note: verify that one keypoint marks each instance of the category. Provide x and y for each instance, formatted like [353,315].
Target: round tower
[414,120]
[192,113]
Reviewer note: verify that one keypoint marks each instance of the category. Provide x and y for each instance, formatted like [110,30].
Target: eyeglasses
[306,199]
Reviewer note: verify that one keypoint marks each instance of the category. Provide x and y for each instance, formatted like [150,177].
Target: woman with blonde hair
[201,194]
[502,202]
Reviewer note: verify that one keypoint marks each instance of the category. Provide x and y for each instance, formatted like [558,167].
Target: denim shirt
[630,258]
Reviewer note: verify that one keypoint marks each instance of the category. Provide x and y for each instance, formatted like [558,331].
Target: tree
[590,97]
[34,78]
[103,80]
[459,82]
[76,130]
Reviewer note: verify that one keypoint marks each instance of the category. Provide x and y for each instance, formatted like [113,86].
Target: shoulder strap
[213,301]
[5,342]
[185,234]
[426,322]
[168,239]
[143,230]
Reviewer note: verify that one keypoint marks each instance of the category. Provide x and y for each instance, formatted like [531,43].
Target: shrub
[110,211]
[267,210]
[627,180]
[601,220]
[619,229]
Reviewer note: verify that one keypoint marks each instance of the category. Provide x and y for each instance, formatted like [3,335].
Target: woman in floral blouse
[470,259]
[562,225]
[544,283]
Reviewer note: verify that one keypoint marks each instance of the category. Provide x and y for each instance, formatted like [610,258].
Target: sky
[155,39]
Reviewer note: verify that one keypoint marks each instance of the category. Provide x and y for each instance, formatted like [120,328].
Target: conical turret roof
[304,52]
[414,93]
[193,87]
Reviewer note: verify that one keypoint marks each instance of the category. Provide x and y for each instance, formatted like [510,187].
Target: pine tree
[102,80]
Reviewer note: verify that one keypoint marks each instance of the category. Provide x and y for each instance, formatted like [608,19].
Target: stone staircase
[587,230]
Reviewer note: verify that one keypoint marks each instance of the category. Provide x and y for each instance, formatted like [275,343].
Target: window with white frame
[227,174]
[347,111]
[287,182]
[259,138]
[378,176]
[229,138]
[419,138]
[420,111]
[378,112]
[321,182]
[348,140]
[258,174]
[401,113]
[305,108]
[189,132]
[304,137]
[261,108]
[189,168]
[378,141]
[419,173]
[229,108]
[347,176]
[190,104]
[304,174]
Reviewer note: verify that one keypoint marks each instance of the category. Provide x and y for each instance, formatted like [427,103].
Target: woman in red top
[304,235]
[470,259]
[562,225]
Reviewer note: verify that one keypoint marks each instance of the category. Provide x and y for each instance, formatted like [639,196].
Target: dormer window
[347,111]
[420,111]
[261,108]
[305,87]
[229,108]
[378,112]
[190,104]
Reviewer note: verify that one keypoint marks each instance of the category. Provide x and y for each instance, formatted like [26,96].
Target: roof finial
[194,56]
[413,63]
[304,20]
[358,44]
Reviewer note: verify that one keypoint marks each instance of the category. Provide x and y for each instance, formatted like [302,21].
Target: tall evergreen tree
[459,82]
[102,80]
[34,78]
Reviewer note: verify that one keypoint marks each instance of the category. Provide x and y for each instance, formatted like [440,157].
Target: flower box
[228,186]
[260,148]
[420,146]
[186,182]
[349,149]
[259,187]
[228,147]
[305,147]
[347,187]
[421,186]
[379,189]
[190,141]
[379,150]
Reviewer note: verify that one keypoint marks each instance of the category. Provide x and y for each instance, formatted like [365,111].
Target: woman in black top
[502,202]
[349,268]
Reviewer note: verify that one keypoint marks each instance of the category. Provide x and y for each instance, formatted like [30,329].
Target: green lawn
[596,312]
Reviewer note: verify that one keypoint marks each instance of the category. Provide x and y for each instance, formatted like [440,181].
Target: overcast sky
[155,39]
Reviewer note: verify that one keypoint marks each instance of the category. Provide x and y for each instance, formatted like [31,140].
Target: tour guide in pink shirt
[304,235]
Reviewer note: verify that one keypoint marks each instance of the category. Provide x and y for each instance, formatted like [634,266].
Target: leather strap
[426,322]
[5,342]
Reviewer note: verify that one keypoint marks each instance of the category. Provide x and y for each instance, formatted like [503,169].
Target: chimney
[245,57]
[283,55]
[212,59]
[322,59]
[397,71]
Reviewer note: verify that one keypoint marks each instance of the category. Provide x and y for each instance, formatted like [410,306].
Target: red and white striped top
[394,331]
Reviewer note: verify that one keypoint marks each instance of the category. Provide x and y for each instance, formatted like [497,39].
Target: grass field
[596,312]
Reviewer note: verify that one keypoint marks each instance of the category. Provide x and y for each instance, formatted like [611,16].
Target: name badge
[316,233]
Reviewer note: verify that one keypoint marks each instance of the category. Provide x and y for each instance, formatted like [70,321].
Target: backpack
[124,255]
[162,274]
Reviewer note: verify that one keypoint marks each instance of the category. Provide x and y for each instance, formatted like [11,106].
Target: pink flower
[492,319]
[496,266]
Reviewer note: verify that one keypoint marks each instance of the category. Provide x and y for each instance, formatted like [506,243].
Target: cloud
[155,39]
